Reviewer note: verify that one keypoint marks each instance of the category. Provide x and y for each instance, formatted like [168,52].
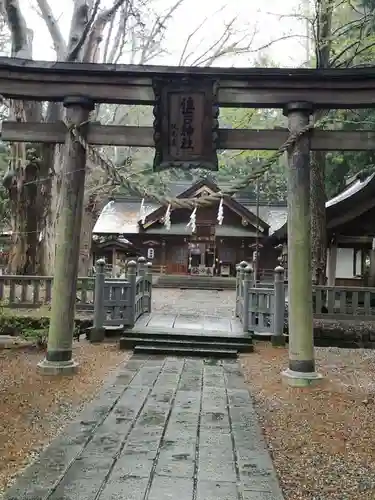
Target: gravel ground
[34,409]
[199,302]
[322,439]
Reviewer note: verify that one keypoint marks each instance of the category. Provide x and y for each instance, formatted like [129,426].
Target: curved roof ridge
[353,188]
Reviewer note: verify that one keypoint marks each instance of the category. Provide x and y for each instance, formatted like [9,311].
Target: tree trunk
[55,154]
[25,194]
[13,181]
[318,158]
[88,223]
[51,210]
[36,210]
[318,217]
[24,168]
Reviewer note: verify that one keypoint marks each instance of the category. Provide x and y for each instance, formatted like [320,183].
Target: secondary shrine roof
[354,201]
[351,190]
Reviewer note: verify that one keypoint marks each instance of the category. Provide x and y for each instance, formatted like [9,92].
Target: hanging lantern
[220,213]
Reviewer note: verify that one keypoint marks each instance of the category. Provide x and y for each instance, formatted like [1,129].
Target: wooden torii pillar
[59,358]
[301,371]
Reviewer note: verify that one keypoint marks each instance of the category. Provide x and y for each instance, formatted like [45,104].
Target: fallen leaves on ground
[321,439]
[35,408]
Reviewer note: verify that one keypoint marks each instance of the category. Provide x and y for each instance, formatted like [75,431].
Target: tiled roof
[362,188]
[274,215]
[121,217]
[352,189]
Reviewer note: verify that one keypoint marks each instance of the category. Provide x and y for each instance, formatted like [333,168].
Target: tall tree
[317,168]
[34,188]
[96,35]
[343,36]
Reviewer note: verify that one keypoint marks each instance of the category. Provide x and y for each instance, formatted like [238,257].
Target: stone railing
[143,291]
[344,303]
[113,302]
[119,302]
[263,309]
[32,292]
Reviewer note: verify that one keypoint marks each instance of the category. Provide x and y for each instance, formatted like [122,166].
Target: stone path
[199,302]
[162,428]
[204,323]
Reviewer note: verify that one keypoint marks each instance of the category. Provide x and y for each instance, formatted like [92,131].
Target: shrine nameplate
[185,125]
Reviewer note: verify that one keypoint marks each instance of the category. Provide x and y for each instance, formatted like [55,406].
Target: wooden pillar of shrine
[114,262]
[163,257]
[59,359]
[331,264]
[301,371]
[371,278]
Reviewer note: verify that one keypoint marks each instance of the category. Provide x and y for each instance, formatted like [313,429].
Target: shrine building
[350,234]
[213,247]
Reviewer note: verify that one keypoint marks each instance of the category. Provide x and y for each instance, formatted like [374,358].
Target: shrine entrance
[186,135]
[202,259]
[202,251]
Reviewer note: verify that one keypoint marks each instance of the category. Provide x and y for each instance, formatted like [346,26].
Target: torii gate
[80,86]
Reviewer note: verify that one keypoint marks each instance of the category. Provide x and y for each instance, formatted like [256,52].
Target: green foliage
[33,327]
[342,165]
[143,176]
[352,44]
[236,164]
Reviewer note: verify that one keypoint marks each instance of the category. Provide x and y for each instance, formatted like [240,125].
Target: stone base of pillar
[278,340]
[46,367]
[96,335]
[300,379]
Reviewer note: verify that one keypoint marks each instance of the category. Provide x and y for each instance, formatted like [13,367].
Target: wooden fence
[262,308]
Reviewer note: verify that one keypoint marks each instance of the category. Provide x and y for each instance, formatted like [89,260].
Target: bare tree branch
[59,43]
[157,29]
[188,40]
[352,25]
[348,62]
[120,37]
[337,57]
[82,22]
[3,11]
[21,35]
[108,39]
[184,56]
[95,33]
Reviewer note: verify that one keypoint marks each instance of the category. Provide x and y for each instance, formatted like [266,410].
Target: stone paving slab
[161,428]
[201,322]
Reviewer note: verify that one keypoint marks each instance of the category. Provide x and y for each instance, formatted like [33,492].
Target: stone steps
[196,282]
[186,342]
[196,343]
[186,351]
[195,335]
